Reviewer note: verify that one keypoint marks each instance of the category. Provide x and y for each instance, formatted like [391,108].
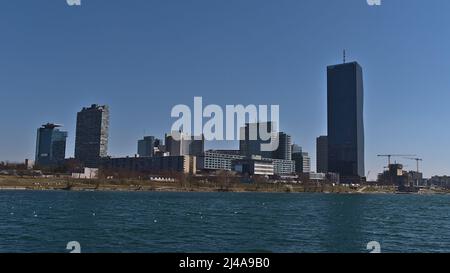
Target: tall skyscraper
[50,145]
[146,146]
[322,154]
[251,140]
[284,150]
[179,143]
[345,120]
[91,141]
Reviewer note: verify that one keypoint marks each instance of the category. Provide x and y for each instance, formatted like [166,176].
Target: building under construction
[395,175]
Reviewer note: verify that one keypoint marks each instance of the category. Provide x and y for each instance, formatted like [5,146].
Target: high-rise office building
[345,120]
[91,141]
[179,143]
[50,145]
[306,160]
[322,154]
[253,136]
[301,159]
[284,150]
[146,146]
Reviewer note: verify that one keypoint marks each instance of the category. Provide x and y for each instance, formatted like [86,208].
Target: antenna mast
[344,56]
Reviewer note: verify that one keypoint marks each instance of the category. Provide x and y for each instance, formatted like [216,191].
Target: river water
[45,221]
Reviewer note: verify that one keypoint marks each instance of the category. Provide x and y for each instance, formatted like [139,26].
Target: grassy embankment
[39,183]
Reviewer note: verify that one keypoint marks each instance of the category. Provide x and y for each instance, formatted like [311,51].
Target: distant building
[228,152]
[149,165]
[296,149]
[88,173]
[254,166]
[302,162]
[50,145]
[148,146]
[284,150]
[251,139]
[29,164]
[91,141]
[220,160]
[179,143]
[306,163]
[440,181]
[322,154]
[317,176]
[345,120]
[395,175]
[217,160]
[283,167]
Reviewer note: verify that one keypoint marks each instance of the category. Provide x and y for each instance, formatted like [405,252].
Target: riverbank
[69,184]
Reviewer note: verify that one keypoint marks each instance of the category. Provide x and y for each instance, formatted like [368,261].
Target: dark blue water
[222,222]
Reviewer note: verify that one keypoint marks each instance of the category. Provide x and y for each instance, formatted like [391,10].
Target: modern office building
[254,166]
[221,160]
[345,120]
[322,154]
[179,143]
[284,150]
[91,141]
[50,145]
[306,163]
[217,160]
[147,146]
[302,162]
[253,136]
[283,167]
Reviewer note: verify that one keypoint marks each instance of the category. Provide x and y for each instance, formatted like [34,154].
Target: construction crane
[417,166]
[392,155]
[417,161]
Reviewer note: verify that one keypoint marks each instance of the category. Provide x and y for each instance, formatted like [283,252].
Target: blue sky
[142,57]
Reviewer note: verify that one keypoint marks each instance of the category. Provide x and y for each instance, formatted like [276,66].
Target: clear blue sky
[142,57]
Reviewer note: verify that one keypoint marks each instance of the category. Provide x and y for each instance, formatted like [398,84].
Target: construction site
[394,174]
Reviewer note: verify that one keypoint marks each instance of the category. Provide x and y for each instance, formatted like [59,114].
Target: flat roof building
[345,120]
[92,133]
[50,145]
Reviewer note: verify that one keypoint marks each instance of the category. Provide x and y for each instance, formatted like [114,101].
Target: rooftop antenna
[344,56]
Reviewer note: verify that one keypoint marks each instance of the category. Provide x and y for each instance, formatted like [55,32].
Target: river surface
[45,221]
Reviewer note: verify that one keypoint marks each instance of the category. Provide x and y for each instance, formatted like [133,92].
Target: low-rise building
[440,181]
[215,160]
[88,173]
[254,166]
[181,164]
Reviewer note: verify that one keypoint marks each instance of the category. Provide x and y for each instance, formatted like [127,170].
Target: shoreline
[10,183]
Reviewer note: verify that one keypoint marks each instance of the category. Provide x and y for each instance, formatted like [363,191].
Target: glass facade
[345,120]
[50,145]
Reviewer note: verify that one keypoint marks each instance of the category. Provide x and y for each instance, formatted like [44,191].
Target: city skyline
[255,61]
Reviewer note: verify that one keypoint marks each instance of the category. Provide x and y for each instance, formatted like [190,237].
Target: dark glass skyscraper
[91,142]
[284,150]
[322,154]
[50,145]
[345,120]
